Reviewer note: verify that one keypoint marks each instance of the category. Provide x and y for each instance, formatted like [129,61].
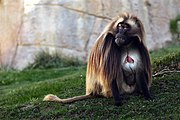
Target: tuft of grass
[169,61]
[173,24]
[44,60]
[166,58]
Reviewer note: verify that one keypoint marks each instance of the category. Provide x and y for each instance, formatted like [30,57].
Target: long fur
[104,64]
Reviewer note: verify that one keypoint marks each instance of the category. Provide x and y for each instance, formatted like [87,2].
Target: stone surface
[71,27]
[11,12]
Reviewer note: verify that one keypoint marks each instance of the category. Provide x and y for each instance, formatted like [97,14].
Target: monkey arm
[146,63]
[143,85]
[115,93]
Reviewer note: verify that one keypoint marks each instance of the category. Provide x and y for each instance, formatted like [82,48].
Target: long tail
[54,98]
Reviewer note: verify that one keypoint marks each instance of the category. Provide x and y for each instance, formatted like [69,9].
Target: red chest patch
[129,59]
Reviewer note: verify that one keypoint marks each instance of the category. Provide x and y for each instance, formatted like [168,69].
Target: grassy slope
[21,95]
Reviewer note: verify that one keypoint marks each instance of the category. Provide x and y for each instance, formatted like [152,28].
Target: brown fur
[104,59]
[104,65]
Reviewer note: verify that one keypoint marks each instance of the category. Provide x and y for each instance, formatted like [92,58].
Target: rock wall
[11,13]
[72,26]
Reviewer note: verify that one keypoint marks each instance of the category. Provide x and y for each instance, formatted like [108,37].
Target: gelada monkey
[119,62]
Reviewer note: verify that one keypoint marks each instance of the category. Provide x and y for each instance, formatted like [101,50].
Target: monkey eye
[126,26]
[120,25]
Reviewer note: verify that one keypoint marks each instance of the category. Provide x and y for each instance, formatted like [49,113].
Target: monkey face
[121,37]
[127,29]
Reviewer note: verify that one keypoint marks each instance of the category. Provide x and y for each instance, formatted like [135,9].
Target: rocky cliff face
[72,26]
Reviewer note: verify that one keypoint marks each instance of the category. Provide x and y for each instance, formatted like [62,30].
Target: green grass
[173,24]
[166,58]
[21,94]
[45,60]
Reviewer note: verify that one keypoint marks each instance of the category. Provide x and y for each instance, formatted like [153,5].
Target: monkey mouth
[123,40]
[120,40]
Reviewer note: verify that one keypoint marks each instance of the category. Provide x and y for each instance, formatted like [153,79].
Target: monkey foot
[118,103]
[148,98]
